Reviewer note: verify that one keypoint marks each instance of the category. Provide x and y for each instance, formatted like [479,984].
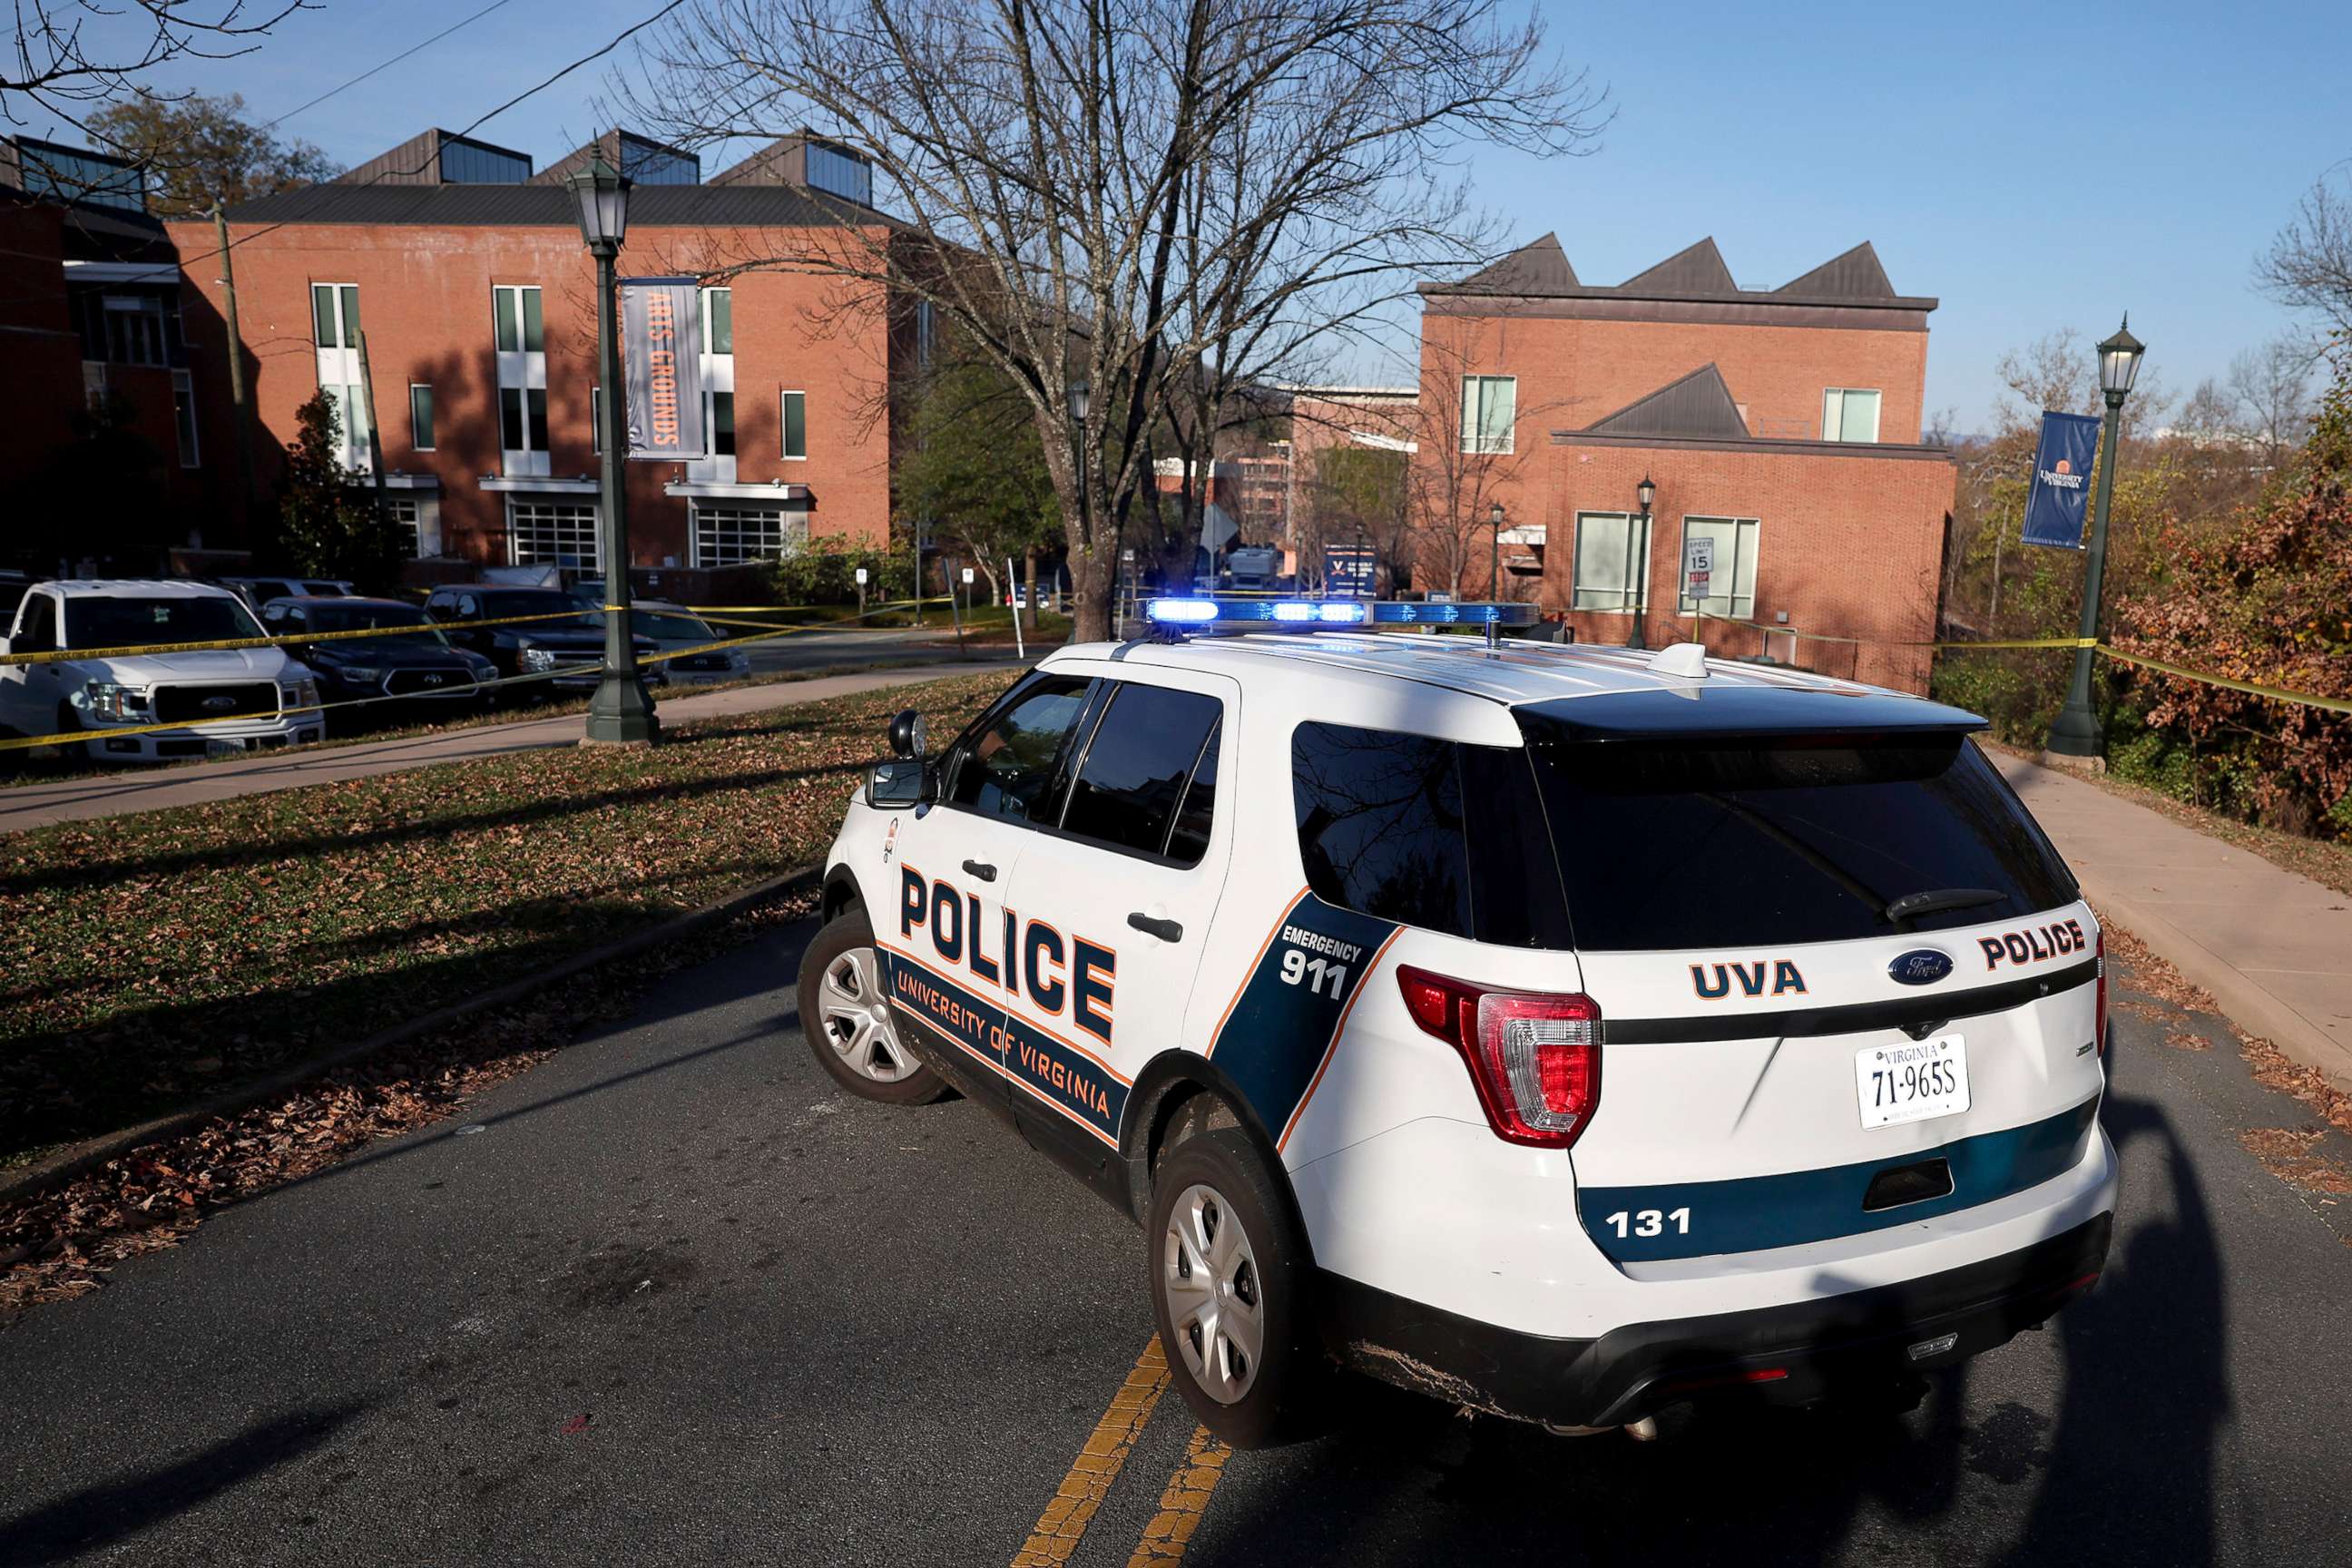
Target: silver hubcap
[857,1018]
[1210,1278]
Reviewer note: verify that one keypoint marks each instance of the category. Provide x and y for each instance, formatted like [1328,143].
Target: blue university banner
[2061,480]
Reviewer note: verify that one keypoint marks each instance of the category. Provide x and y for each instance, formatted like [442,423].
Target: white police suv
[1569,1033]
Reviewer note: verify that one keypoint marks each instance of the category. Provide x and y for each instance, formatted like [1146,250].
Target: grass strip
[159,958]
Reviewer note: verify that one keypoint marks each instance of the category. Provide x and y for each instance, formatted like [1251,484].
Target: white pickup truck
[246,698]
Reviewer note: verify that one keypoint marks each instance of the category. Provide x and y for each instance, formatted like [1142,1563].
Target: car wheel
[1230,1288]
[846,1017]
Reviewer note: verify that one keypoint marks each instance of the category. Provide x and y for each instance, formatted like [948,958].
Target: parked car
[420,667]
[258,591]
[673,626]
[247,699]
[1573,1035]
[570,640]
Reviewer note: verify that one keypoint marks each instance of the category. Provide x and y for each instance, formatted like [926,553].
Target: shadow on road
[2119,1468]
[100,1516]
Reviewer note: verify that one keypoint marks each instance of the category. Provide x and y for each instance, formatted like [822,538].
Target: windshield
[499,606]
[1784,839]
[668,626]
[112,621]
[353,617]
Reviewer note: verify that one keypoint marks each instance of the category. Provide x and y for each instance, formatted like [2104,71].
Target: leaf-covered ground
[156,958]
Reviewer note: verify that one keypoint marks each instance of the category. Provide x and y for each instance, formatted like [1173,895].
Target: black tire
[1279,1395]
[839,967]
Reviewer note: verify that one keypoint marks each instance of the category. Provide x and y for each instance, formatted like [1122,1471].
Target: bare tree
[2270,392]
[2308,266]
[2059,373]
[1136,208]
[1455,479]
[73,58]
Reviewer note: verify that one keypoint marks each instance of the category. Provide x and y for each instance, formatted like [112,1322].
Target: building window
[796,425]
[521,329]
[1612,562]
[718,320]
[405,517]
[522,418]
[335,315]
[839,173]
[551,533]
[927,329]
[1849,414]
[1490,407]
[420,415]
[184,415]
[722,424]
[730,535]
[126,329]
[1731,588]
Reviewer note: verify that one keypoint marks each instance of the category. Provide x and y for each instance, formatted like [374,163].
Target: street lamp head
[603,192]
[1496,515]
[2119,359]
[1648,490]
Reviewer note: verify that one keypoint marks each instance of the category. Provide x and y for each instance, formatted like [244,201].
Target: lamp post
[2075,731]
[622,711]
[1648,492]
[1495,554]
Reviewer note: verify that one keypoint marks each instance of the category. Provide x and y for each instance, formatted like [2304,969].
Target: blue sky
[2033,167]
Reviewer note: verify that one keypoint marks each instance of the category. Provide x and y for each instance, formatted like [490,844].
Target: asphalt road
[849,649]
[680,1300]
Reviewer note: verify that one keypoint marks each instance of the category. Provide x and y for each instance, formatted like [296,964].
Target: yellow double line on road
[1064,1523]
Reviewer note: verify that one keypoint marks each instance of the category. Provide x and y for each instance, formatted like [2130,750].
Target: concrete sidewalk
[87,795]
[2273,948]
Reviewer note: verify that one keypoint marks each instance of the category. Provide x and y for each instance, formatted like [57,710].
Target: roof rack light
[1307,615]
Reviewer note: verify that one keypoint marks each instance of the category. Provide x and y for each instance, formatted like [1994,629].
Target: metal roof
[1699,404]
[549,206]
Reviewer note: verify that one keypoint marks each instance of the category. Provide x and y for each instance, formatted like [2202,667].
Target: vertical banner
[661,361]
[1348,570]
[2061,480]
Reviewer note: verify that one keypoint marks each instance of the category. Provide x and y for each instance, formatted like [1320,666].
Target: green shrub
[824,571]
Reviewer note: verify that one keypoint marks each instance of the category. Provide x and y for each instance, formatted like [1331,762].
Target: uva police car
[1566,1032]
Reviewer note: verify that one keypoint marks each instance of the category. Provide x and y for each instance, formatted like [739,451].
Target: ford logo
[1920,966]
[218,704]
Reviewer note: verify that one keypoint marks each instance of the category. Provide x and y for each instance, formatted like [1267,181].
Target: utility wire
[396,59]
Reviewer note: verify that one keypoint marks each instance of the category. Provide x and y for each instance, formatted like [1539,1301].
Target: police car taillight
[1534,1058]
[2099,1009]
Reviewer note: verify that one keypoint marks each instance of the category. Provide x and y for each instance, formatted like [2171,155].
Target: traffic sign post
[1699,570]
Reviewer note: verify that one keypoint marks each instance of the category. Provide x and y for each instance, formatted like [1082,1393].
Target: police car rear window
[1782,839]
[1426,833]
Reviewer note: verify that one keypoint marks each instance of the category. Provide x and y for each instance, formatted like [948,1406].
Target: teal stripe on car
[1752,1213]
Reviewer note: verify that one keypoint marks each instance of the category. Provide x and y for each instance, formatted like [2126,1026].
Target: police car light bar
[1306,614]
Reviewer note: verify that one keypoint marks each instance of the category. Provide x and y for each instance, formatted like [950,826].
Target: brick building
[466,274]
[1783,423]
[90,324]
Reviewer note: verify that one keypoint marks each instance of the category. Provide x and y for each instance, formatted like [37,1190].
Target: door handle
[1165,929]
[980,869]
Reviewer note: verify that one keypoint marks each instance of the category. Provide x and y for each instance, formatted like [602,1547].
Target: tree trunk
[1090,578]
[1029,593]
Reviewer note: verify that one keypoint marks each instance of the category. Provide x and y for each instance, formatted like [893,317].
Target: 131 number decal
[1300,969]
[1649,1222]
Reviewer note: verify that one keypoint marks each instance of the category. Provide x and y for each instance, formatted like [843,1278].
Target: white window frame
[521,369]
[339,376]
[704,515]
[1633,596]
[1747,527]
[1474,439]
[784,425]
[425,387]
[1835,398]
[590,560]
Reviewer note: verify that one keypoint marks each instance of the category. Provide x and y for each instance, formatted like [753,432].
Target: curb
[67,1164]
[2245,1000]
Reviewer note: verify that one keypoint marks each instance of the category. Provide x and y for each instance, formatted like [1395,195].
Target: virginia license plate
[1912,1082]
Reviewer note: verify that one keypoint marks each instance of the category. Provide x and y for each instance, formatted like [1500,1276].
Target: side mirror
[907,734]
[899,782]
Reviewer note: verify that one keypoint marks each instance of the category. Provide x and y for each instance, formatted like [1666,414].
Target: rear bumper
[1795,1353]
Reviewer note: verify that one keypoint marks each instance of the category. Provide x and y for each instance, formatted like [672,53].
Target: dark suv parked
[419,665]
[572,642]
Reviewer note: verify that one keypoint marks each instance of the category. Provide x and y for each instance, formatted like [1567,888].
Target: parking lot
[673,1298]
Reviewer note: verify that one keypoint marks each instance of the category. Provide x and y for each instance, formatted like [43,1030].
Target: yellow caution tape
[2333,704]
[135,650]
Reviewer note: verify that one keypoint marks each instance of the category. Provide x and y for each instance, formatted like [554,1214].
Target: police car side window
[1133,778]
[1010,763]
[1381,824]
[1187,838]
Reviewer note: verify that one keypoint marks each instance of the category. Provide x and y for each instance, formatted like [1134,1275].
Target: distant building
[1782,424]
[465,271]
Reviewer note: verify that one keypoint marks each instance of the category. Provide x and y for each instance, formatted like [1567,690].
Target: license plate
[1912,1082]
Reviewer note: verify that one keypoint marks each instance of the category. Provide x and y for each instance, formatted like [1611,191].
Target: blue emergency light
[1307,615]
